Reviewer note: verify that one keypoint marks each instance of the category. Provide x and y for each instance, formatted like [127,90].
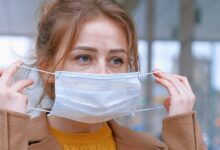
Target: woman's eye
[117,61]
[83,58]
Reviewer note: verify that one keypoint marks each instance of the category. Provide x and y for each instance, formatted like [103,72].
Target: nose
[101,68]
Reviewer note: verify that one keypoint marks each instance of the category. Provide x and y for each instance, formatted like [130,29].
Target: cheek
[123,68]
[68,66]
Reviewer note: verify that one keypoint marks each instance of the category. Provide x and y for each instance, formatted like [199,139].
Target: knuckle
[185,78]
[190,100]
[167,84]
[188,97]
[193,97]
[171,88]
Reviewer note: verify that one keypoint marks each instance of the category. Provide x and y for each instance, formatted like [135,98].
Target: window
[13,48]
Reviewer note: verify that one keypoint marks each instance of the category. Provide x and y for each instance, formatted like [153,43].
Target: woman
[92,37]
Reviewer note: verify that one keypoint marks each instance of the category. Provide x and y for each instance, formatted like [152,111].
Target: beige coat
[19,132]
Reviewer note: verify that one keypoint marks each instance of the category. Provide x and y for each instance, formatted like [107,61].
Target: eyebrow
[85,48]
[116,50]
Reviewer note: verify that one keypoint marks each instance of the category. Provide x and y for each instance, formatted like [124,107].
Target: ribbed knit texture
[99,140]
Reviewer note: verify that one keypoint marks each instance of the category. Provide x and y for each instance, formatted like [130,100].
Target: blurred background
[176,36]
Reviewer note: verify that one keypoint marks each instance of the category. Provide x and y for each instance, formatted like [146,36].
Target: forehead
[102,32]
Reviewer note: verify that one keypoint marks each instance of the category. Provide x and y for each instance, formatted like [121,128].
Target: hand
[12,97]
[181,97]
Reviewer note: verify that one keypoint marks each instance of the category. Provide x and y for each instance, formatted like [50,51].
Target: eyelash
[80,56]
[89,58]
[117,58]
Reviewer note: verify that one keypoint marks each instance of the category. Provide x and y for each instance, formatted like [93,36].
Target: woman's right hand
[12,97]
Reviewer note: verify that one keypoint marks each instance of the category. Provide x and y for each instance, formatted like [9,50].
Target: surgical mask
[94,98]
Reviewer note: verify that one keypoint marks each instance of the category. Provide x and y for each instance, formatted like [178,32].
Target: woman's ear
[47,77]
[51,79]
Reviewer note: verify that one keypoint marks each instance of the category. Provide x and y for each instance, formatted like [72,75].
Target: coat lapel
[39,136]
[130,140]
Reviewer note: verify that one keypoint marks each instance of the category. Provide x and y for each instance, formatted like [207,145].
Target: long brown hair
[60,25]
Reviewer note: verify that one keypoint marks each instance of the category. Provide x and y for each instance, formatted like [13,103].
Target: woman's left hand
[181,97]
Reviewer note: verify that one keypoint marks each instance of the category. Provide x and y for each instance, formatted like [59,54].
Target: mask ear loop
[146,74]
[38,70]
[151,108]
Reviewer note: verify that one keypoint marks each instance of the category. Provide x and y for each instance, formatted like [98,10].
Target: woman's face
[101,48]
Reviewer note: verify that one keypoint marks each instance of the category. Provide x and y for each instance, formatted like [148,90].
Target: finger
[173,81]
[184,80]
[181,85]
[1,71]
[21,85]
[171,89]
[178,84]
[8,73]
[157,71]
[166,104]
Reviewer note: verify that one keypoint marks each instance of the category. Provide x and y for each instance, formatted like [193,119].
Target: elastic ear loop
[38,70]
[150,108]
[51,73]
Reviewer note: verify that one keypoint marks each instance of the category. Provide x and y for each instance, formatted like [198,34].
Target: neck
[70,126]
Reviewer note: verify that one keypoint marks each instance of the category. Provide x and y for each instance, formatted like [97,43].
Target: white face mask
[94,98]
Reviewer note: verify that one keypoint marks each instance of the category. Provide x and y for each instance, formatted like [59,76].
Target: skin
[101,48]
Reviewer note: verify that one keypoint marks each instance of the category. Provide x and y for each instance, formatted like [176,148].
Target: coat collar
[125,135]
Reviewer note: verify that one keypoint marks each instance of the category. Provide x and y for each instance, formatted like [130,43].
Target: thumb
[166,104]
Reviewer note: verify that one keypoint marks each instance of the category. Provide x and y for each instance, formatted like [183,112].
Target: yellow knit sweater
[99,140]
